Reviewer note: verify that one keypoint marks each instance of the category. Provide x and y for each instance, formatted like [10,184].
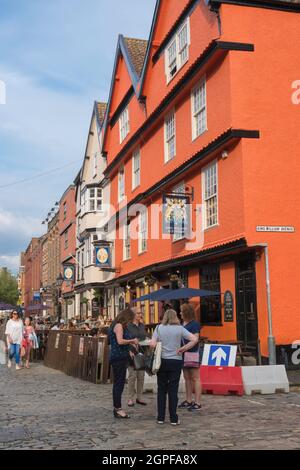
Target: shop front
[238,314]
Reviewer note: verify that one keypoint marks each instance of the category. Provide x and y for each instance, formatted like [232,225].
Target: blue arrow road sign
[219,355]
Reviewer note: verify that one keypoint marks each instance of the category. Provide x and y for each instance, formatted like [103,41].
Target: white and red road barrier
[247,380]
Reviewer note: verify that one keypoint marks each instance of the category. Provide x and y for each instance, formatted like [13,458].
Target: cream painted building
[92,212]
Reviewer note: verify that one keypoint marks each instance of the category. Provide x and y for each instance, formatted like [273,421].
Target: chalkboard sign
[228,306]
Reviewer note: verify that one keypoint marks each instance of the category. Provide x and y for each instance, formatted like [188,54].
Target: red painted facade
[247,57]
[67,231]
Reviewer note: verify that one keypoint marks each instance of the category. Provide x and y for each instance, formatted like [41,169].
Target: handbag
[149,358]
[157,355]
[139,361]
[191,360]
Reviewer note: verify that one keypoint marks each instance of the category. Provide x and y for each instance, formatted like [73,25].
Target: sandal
[117,415]
[130,403]
[185,404]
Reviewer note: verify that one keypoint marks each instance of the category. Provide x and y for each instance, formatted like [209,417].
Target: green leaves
[8,287]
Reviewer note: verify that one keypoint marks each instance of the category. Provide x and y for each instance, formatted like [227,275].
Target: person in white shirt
[14,331]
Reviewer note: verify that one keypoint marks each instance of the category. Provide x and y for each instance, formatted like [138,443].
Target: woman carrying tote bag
[170,333]
[191,362]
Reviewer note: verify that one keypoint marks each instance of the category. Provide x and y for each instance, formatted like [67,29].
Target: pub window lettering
[211,311]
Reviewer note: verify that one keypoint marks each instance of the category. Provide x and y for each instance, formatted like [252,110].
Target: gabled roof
[285,5]
[137,51]
[99,112]
[133,51]
[100,109]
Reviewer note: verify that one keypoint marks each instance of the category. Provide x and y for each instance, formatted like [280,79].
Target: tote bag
[191,360]
[157,355]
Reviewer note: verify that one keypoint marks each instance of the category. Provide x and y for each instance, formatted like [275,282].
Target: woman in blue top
[191,374]
[119,339]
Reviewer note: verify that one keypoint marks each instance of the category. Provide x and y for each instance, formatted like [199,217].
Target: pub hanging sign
[176,214]
[103,256]
[69,272]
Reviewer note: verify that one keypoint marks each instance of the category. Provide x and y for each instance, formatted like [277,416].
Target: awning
[173,294]
[37,307]
[4,306]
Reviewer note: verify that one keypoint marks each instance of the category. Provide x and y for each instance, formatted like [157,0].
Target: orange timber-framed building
[205,107]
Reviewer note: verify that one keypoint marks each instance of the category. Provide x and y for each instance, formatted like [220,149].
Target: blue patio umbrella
[173,294]
[34,307]
[5,306]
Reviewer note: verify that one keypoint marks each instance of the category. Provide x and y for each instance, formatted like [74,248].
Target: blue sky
[56,58]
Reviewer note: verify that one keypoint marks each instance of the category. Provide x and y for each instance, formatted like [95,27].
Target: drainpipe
[271,338]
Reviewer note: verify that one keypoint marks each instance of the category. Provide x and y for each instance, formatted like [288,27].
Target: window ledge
[179,240]
[142,252]
[211,227]
[169,161]
[200,135]
[135,188]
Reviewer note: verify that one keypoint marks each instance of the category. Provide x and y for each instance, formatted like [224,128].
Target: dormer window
[177,52]
[124,124]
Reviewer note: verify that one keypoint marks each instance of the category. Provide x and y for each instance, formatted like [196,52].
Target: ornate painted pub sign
[69,272]
[176,214]
[103,256]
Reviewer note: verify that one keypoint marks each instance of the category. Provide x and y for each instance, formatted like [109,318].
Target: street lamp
[59,283]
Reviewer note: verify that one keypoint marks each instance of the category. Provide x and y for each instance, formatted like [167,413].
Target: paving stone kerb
[42,408]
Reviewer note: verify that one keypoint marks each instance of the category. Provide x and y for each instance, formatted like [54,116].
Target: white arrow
[219,354]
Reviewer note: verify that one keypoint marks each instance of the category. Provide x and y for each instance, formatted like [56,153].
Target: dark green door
[247,326]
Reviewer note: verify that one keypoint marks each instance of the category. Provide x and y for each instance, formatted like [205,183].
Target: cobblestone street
[44,409]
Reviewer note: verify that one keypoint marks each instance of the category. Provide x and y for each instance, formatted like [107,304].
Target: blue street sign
[219,355]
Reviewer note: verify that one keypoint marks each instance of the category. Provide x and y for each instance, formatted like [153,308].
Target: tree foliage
[8,287]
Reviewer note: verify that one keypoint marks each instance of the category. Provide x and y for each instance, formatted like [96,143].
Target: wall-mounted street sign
[176,214]
[219,355]
[275,228]
[69,272]
[228,306]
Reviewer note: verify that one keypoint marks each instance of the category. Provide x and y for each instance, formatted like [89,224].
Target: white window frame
[66,239]
[177,61]
[124,127]
[210,194]
[95,199]
[95,166]
[195,113]
[167,139]
[126,242]
[180,189]
[136,169]
[121,184]
[143,231]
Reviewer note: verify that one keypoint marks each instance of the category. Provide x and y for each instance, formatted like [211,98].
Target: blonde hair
[170,318]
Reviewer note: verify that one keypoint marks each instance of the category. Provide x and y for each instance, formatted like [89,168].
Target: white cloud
[11,223]
[10,262]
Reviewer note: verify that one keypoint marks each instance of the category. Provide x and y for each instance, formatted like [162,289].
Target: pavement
[42,408]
